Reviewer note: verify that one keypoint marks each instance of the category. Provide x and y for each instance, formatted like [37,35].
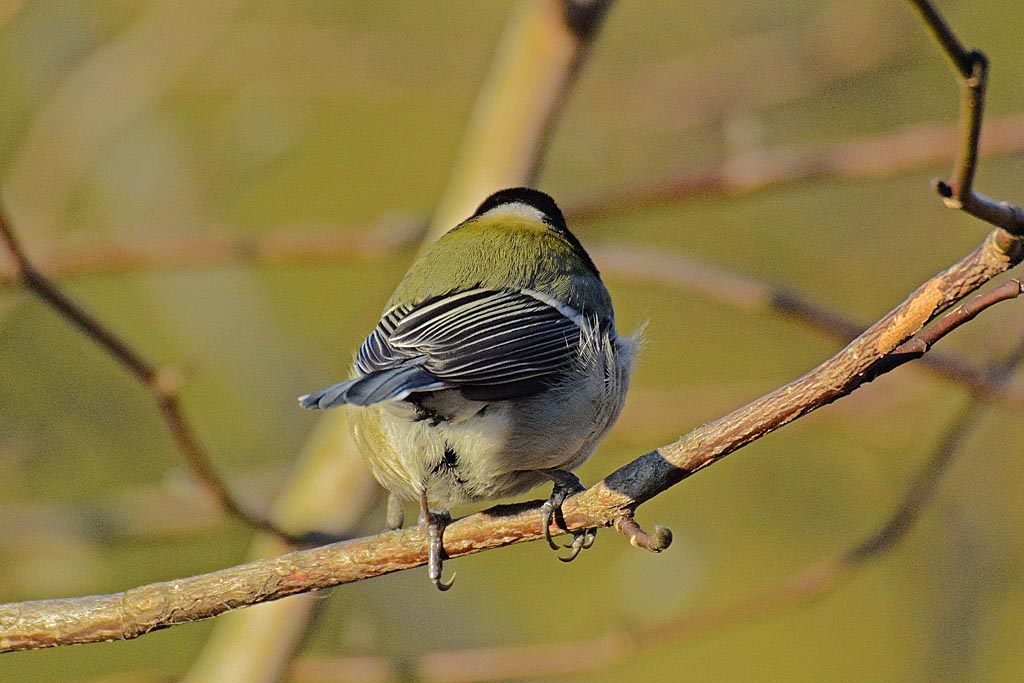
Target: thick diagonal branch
[127,615]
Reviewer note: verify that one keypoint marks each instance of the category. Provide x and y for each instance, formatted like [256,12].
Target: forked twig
[971,67]
[163,384]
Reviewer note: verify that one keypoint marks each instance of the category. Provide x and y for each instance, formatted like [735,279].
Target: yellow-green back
[505,252]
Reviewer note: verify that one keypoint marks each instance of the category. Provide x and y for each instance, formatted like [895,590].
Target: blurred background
[154,124]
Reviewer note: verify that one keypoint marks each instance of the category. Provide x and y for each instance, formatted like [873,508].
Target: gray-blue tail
[393,384]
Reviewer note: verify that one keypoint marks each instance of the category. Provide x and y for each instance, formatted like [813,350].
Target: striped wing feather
[493,345]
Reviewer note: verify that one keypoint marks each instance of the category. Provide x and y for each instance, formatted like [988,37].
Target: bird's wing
[492,344]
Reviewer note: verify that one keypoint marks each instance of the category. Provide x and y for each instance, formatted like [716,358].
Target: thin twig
[175,507]
[200,250]
[163,384]
[752,294]
[919,344]
[943,33]
[971,68]
[75,314]
[913,147]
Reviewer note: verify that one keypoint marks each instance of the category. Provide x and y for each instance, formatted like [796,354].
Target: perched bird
[495,367]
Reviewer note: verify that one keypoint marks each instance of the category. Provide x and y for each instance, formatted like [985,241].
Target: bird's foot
[435,521]
[566,484]
[581,540]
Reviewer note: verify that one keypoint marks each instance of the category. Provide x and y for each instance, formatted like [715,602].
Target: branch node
[584,17]
[979,68]
[1015,225]
[638,538]
[949,193]
[1008,242]
[168,380]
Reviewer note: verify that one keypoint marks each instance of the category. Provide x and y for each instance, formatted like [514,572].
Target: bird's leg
[395,514]
[435,521]
[566,484]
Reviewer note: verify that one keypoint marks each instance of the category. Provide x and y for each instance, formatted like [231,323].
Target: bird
[495,367]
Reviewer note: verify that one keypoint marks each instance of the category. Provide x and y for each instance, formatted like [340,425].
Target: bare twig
[163,384]
[918,345]
[913,147]
[943,33]
[198,250]
[177,507]
[819,578]
[752,294]
[75,314]
[138,611]
[971,67]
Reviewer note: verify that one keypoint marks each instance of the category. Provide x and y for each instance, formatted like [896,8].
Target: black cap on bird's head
[528,200]
[528,197]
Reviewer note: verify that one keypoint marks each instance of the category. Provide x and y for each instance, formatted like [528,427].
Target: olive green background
[143,121]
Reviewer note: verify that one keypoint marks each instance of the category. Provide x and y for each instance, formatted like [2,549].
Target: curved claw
[547,512]
[566,484]
[442,585]
[572,556]
[581,541]
[435,552]
[589,536]
[435,521]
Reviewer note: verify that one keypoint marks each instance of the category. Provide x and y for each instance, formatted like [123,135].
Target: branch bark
[528,661]
[752,294]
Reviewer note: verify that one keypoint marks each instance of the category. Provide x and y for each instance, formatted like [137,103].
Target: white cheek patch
[518,209]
